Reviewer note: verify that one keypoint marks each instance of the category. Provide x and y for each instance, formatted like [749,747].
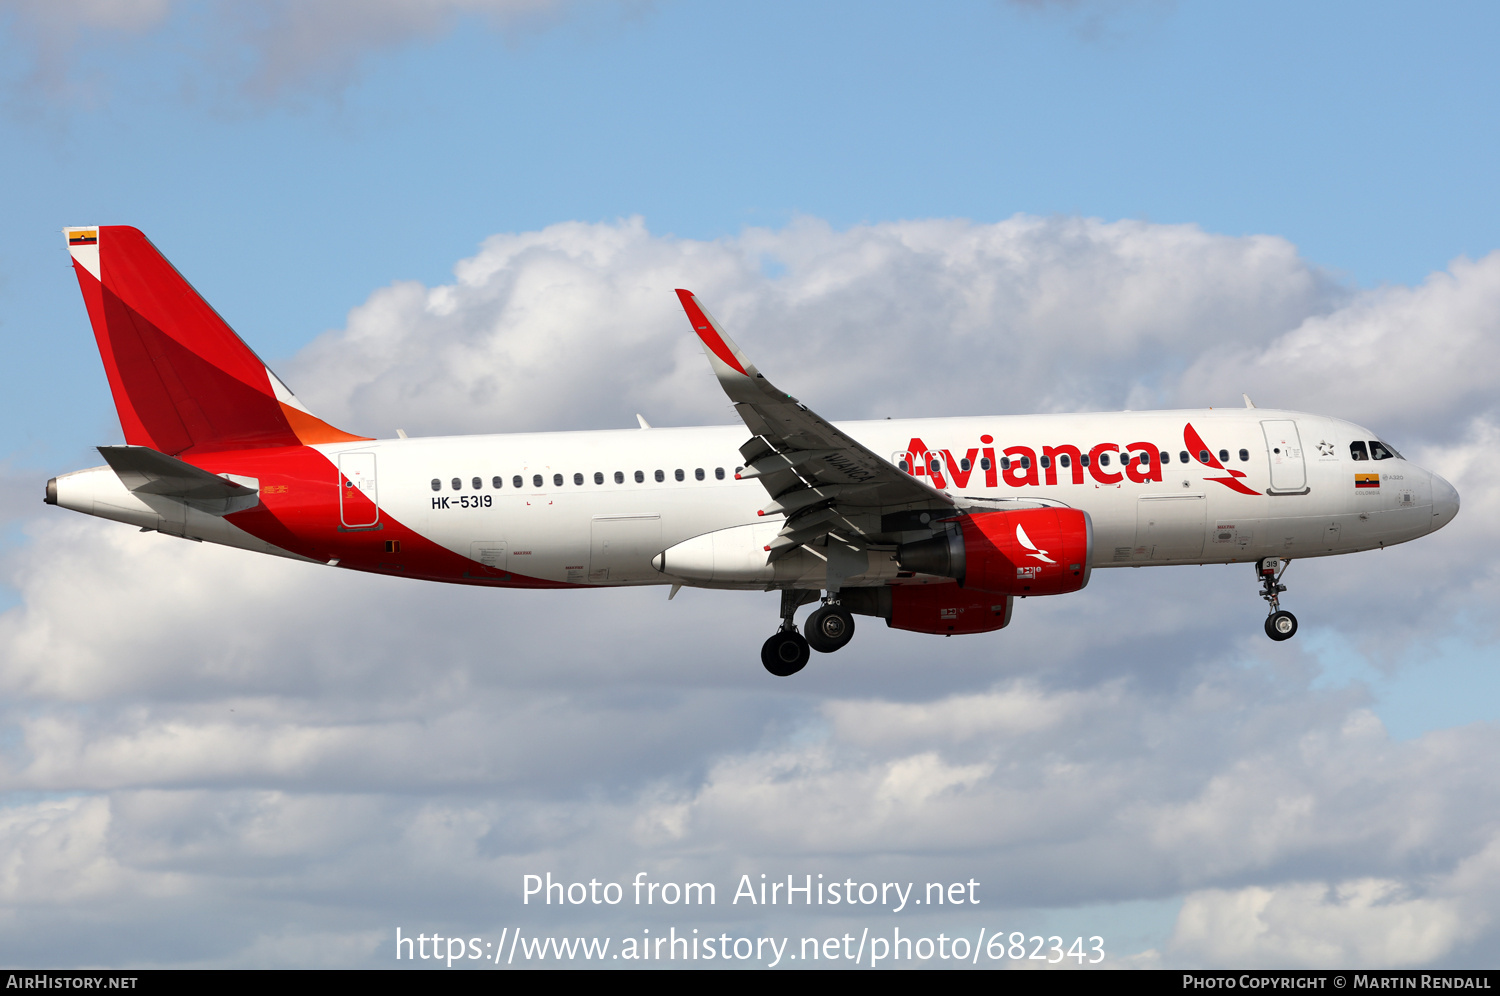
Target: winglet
[722,352]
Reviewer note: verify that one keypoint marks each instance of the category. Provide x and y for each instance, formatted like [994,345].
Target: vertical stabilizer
[182,380]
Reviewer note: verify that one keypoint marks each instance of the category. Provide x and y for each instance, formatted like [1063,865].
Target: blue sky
[1358,132]
[1175,200]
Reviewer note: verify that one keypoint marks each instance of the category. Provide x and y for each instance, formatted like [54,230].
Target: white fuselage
[558,531]
[1315,499]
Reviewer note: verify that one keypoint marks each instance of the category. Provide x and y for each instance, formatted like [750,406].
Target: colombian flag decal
[1366,481]
[89,237]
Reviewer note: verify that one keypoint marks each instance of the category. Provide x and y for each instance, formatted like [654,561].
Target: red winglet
[704,326]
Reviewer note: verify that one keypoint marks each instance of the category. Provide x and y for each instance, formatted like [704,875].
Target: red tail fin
[182,380]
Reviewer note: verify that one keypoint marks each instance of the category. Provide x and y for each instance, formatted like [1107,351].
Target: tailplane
[182,380]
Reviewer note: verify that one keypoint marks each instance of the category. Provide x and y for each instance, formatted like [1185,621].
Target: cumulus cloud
[907,318]
[231,759]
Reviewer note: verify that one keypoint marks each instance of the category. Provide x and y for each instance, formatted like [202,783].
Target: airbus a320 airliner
[934,525]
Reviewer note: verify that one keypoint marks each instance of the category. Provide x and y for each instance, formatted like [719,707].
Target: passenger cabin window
[678,474]
[1104,459]
[497,482]
[1046,462]
[619,477]
[1244,456]
[640,476]
[1378,451]
[458,485]
[536,480]
[1183,457]
[964,463]
[1203,456]
[1083,459]
[478,483]
[598,477]
[660,476]
[1223,456]
[557,480]
[1062,461]
[1005,463]
[984,464]
[437,485]
[718,473]
[577,479]
[698,474]
[1026,463]
[1166,457]
[1357,450]
[516,481]
[905,468]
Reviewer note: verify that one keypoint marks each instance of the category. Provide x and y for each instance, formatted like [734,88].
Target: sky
[468,216]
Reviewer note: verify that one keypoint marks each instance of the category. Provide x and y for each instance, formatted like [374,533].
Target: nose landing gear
[1280,624]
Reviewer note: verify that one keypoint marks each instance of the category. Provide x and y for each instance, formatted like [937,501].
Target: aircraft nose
[1444,502]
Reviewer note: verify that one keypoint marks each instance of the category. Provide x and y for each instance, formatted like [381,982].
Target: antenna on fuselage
[1248,402]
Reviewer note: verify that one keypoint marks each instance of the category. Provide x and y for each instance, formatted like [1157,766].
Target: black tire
[784,654]
[829,628]
[1281,625]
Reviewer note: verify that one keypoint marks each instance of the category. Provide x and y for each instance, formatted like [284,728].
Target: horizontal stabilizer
[145,471]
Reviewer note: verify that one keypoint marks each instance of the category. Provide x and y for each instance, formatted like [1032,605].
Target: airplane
[934,525]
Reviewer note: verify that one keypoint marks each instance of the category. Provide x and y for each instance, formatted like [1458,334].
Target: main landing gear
[1280,624]
[829,628]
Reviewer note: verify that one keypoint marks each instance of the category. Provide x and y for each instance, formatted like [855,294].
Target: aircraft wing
[817,476]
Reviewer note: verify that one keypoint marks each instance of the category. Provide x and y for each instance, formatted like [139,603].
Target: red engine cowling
[1032,551]
[947,608]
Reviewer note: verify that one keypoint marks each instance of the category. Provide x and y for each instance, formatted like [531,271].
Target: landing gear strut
[1280,624]
[786,652]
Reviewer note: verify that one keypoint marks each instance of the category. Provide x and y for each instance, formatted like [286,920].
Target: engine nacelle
[940,607]
[1030,551]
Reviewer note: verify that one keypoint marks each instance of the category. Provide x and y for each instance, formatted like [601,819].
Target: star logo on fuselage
[1325,448]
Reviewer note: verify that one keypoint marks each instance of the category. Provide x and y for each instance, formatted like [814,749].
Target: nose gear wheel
[1280,624]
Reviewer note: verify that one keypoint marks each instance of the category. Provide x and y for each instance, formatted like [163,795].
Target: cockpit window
[1357,450]
[1380,451]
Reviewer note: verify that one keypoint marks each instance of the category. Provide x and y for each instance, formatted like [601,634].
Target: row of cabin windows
[935,464]
[1377,450]
[538,481]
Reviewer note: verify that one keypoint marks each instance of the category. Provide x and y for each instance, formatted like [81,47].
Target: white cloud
[577,326]
[1368,923]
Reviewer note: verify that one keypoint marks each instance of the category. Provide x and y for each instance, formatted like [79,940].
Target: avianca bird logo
[1036,551]
[1196,446]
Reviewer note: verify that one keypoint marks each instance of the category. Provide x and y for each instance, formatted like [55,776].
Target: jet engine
[1032,551]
